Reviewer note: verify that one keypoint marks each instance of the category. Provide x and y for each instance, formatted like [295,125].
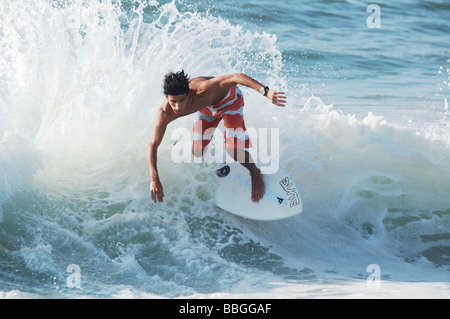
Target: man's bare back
[186,96]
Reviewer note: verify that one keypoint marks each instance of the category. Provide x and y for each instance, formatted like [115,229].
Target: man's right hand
[157,191]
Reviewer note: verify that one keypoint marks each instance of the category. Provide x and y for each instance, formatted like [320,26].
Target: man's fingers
[157,196]
[278,98]
[156,193]
[280,101]
[154,196]
[160,196]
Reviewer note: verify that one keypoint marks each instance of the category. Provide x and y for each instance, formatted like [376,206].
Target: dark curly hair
[176,83]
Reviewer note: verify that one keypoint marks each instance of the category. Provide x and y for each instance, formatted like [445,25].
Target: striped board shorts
[230,109]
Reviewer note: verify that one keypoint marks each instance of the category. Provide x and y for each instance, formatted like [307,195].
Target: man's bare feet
[244,157]
[258,188]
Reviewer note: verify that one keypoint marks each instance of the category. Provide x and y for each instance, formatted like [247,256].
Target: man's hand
[157,191]
[277,98]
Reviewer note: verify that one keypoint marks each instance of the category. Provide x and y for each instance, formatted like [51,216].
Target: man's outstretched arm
[156,187]
[230,80]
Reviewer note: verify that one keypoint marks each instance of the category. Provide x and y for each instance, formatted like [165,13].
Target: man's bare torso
[197,98]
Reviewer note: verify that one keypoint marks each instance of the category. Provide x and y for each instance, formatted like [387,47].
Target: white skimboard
[281,199]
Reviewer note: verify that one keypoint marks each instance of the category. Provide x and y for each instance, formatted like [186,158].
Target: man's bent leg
[236,141]
[203,130]
[245,159]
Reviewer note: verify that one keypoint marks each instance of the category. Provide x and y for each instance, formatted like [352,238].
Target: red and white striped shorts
[230,109]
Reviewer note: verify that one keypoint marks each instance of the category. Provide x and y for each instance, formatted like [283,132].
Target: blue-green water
[365,134]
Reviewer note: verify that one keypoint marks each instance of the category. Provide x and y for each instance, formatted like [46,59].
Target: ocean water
[365,134]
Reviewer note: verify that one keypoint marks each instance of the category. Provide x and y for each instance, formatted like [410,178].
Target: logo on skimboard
[291,193]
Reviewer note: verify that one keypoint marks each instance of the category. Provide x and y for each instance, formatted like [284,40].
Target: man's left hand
[277,98]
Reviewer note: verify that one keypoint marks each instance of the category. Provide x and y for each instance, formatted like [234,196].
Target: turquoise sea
[365,134]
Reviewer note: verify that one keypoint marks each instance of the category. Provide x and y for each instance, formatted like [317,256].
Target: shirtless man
[214,99]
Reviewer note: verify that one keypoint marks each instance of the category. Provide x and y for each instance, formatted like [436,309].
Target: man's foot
[258,188]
